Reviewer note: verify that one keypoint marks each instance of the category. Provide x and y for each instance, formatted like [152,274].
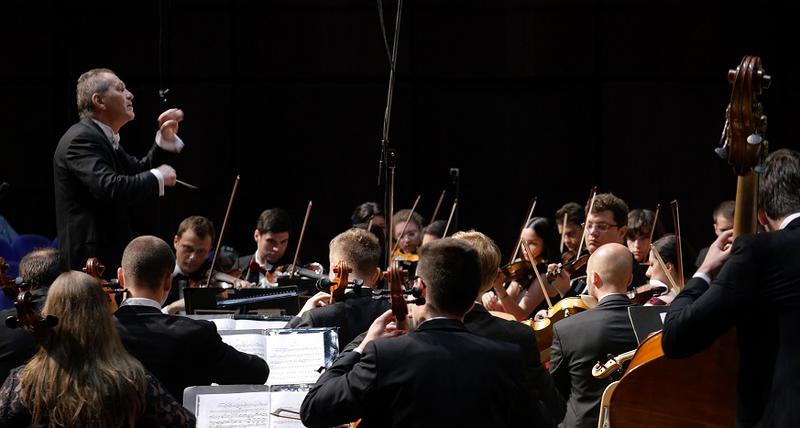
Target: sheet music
[252,343]
[225,323]
[246,324]
[246,409]
[283,405]
[295,358]
[258,324]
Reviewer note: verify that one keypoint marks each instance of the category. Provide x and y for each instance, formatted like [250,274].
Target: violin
[96,269]
[340,281]
[311,270]
[28,318]
[520,270]
[570,267]
[640,295]
[562,309]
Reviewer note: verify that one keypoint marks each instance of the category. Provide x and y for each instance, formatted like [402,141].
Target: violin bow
[531,207]
[405,225]
[300,241]
[436,210]
[563,232]
[222,231]
[676,218]
[524,245]
[583,234]
[655,220]
[664,267]
[450,219]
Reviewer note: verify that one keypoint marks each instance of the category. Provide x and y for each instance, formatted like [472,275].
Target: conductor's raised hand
[168,123]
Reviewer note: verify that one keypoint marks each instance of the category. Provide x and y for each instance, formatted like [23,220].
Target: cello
[712,373]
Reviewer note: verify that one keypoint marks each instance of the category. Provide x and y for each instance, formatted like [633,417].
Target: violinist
[479,321]
[583,339]
[407,234]
[640,229]
[192,243]
[362,253]
[572,231]
[759,281]
[607,223]
[520,298]
[38,269]
[368,213]
[667,249]
[81,376]
[272,238]
[723,221]
[433,231]
[437,375]
[179,351]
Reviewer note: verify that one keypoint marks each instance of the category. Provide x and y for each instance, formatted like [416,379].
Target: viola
[28,318]
[562,309]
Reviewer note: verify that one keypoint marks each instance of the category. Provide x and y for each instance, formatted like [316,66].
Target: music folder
[646,320]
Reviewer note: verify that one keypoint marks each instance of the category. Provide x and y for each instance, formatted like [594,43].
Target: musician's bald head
[610,270]
[147,263]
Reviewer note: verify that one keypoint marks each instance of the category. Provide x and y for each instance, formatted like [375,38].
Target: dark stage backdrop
[526,98]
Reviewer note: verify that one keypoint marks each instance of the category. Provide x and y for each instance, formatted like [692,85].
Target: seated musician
[523,299]
[607,223]
[272,239]
[433,231]
[180,351]
[353,315]
[407,234]
[667,249]
[572,233]
[38,269]
[437,375]
[82,376]
[192,243]
[368,214]
[482,323]
[583,339]
[760,281]
[723,222]
[640,226]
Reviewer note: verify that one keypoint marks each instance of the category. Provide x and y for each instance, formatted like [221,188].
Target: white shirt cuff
[160,178]
[171,146]
[703,276]
[359,349]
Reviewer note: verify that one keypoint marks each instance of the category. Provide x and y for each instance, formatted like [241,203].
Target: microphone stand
[388,155]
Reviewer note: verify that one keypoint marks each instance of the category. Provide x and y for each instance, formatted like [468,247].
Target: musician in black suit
[580,341]
[96,181]
[192,243]
[438,375]
[272,239]
[353,316]
[38,270]
[179,351]
[479,321]
[758,292]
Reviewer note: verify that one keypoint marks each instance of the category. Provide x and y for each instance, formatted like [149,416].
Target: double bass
[711,374]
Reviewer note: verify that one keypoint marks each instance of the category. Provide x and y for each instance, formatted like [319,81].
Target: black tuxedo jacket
[440,375]
[184,352]
[353,315]
[484,324]
[758,292]
[95,187]
[579,342]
